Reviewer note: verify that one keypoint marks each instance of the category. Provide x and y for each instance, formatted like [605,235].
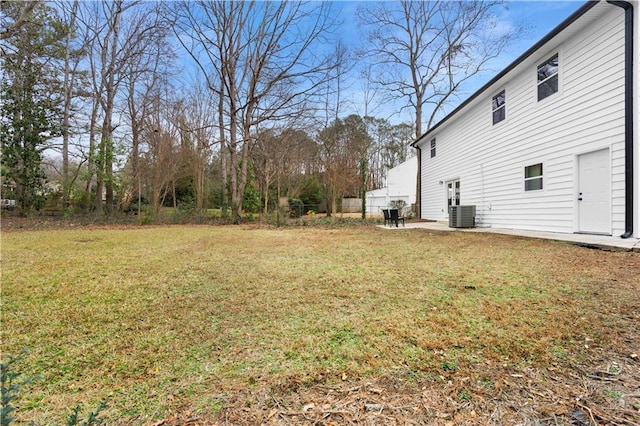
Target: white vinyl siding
[586,115]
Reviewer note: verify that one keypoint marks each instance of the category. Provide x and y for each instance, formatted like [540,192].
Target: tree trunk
[107,128]
[266,187]
[223,156]
[93,122]
[418,122]
[363,191]
[278,218]
[236,204]
[244,168]
[66,114]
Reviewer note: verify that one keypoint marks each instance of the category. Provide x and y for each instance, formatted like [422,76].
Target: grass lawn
[257,325]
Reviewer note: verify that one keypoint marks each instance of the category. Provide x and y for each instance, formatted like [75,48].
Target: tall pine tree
[31,99]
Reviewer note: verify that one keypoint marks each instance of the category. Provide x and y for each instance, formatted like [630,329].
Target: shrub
[296,207]
[92,418]
[312,192]
[397,204]
[251,200]
[11,383]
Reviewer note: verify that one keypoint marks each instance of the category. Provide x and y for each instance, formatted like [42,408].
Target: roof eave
[544,40]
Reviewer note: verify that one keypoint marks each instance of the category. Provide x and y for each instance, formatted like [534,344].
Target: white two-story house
[551,142]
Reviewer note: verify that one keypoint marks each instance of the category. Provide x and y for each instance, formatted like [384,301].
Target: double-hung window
[548,77]
[533,177]
[433,148]
[498,107]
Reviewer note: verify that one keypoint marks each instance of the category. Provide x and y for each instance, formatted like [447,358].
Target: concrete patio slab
[603,242]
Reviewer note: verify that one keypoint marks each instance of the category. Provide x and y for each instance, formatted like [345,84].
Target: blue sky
[540,17]
[537,17]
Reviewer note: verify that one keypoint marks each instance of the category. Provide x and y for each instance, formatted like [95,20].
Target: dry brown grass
[187,325]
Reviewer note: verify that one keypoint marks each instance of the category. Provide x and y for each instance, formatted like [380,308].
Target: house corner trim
[629,117]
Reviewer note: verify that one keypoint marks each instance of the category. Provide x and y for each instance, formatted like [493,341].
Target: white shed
[548,144]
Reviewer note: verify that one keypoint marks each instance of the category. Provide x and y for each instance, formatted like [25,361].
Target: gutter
[628,115]
[419,184]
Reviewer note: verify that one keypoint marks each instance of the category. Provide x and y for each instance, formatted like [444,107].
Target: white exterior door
[453,194]
[594,192]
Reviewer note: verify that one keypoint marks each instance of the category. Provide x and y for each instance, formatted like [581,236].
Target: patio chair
[387,217]
[394,217]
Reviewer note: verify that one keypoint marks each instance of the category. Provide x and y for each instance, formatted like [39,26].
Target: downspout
[628,115]
[419,184]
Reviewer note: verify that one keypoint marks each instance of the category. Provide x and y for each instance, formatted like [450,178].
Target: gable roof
[557,30]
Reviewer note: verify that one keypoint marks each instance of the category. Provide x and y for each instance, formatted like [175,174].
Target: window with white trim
[533,177]
[498,107]
[433,147]
[548,77]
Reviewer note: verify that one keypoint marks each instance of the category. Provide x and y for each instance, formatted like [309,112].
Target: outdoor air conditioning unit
[462,216]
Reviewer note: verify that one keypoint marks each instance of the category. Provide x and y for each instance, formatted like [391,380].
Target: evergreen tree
[31,99]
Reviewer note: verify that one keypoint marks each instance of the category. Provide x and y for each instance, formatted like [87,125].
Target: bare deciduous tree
[261,59]
[146,76]
[423,51]
[279,156]
[343,152]
[160,161]
[125,40]
[195,118]
[73,90]
[390,147]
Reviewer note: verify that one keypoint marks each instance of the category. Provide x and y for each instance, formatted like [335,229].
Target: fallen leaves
[558,395]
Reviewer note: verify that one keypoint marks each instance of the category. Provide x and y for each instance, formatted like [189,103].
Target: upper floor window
[533,177]
[433,148]
[498,107]
[548,77]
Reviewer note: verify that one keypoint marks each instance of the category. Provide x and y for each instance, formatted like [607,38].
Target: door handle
[580,196]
